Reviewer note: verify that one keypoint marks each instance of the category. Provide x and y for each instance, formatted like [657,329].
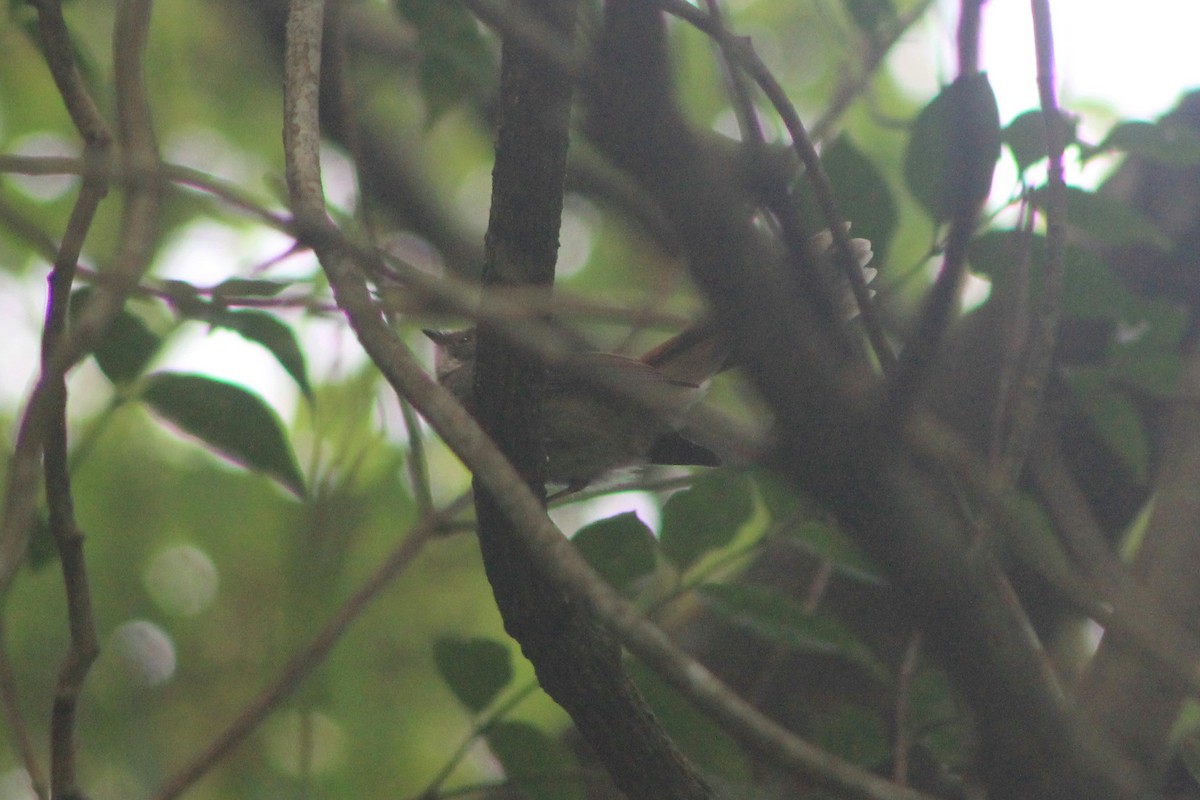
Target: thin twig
[777,194]
[138,226]
[418,466]
[744,54]
[851,87]
[59,52]
[938,313]
[43,429]
[433,791]
[1016,338]
[1031,386]
[904,689]
[313,655]
[969,25]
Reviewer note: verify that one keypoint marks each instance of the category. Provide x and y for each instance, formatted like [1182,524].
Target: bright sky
[1137,57]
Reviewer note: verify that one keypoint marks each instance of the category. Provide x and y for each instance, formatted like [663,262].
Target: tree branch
[543,541]
[835,446]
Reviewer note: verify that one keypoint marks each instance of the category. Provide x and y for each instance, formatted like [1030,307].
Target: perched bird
[603,411]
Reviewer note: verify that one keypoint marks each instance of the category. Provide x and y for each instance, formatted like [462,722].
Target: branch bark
[578,662]
[834,445]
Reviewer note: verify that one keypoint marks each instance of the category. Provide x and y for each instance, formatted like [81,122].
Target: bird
[606,411]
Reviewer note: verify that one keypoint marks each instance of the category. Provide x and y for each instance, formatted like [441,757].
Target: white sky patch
[206,150]
[226,356]
[1135,60]
[573,516]
[206,252]
[44,188]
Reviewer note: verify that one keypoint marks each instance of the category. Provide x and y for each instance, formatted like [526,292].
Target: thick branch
[834,447]
[578,662]
[1127,692]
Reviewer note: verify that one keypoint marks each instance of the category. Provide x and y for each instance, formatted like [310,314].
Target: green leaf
[185,298]
[456,60]
[829,542]
[779,619]
[255,326]
[265,329]
[1037,545]
[954,147]
[862,194]
[1189,754]
[1116,419]
[857,734]
[935,711]
[620,548]
[705,516]
[1175,145]
[871,15]
[42,550]
[697,735]
[1156,374]
[1107,219]
[540,765]
[243,287]
[1090,289]
[476,670]
[1146,351]
[126,346]
[230,420]
[1026,137]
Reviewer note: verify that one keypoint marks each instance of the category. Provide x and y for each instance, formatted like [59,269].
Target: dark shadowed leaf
[1167,144]
[620,548]
[1116,418]
[827,541]
[245,287]
[871,15]
[230,420]
[1146,351]
[455,59]
[1037,545]
[705,516]
[1091,290]
[1107,219]
[476,670]
[857,734]
[1026,137]
[42,550]
[954,147]
[539,764]
[935,708]
[126,346]
[779,619]
[704,740]
[862,194]
[186,298]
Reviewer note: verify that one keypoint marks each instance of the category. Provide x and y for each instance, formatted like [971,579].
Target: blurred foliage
[231,570]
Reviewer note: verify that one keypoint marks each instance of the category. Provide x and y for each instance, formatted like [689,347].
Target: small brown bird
[604,411]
